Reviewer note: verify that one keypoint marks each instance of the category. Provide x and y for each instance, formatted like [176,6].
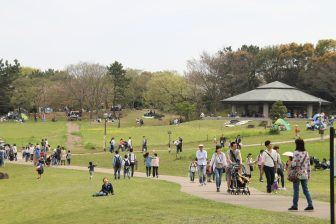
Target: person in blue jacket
[106,189]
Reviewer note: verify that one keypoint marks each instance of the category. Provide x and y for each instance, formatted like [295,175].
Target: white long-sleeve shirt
[201,156]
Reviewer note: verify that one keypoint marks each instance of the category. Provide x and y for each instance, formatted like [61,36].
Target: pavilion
[257,102]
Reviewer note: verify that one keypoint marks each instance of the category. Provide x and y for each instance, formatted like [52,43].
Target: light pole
[105,121]
[169,140]
[320,102]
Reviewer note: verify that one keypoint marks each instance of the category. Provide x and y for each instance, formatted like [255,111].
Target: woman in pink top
[155,165]
[260,162]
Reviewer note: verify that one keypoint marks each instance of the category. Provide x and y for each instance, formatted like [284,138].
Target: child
[68,157]
[127,165]
[91,169]
[193,169]
[208,171]
[107,189]
[39,169]
[155,165]
[275,185]
[249,165]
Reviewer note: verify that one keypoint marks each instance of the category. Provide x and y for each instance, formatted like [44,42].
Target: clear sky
[152,34]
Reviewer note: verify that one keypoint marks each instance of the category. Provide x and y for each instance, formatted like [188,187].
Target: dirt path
[73,141]
[257,199]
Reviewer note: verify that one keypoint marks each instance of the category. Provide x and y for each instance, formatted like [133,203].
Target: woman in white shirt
[218,163]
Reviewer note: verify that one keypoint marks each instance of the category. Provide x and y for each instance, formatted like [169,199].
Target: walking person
[148,164]
[269,164]
[144,144]
[233,157]
[39,168]
[260,161]
[91,169]
[192,170]
[218,162]
[127,165]
[129,144]
[117,162]
[249,165]
[201,156]
[63,156]
[68,157]
[112,145]
[132,159]
[280,168]
[301,161]
[155,165]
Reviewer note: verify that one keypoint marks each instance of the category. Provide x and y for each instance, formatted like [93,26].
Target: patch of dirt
[73,141]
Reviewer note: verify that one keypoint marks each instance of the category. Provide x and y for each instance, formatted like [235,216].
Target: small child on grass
[39,169]
[106,189]
[91,169]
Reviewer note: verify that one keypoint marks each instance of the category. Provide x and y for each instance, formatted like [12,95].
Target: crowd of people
[239,174]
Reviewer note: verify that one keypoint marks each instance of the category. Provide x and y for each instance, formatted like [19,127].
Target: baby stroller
[239,180]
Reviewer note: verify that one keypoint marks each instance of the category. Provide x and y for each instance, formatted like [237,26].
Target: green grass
[63,196]
[170,166]
[192,132]
[23,133]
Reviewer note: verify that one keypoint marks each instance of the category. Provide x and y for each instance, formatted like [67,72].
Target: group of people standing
[269,163]
[124,145]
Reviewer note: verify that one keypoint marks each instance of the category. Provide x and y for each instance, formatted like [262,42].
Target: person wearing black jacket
[106,189]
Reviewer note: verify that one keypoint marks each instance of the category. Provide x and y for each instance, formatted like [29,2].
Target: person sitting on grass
[106,189]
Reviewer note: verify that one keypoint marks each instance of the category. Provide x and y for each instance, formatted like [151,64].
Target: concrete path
[257,199]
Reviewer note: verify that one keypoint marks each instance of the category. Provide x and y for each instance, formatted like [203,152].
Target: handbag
[295,173]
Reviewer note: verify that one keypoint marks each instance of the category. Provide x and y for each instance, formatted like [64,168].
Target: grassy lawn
[63,196]
[23,133]
[192,132]
[170,166]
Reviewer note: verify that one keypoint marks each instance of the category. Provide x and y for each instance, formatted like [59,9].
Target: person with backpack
[127,165]
[269,164]
[117,162]
[301,162]
[132,159]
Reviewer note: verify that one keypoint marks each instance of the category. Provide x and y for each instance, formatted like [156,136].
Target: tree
[119,82]
[278,110]
[185,109]
[8,73]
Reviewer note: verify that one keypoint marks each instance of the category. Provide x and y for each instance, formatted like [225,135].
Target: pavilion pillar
[233,108]
[265,110]
[309,111]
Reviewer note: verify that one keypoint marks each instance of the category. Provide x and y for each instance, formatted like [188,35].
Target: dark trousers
[148,171]
[155,171]
[269,173]
[281,174]
[132,169]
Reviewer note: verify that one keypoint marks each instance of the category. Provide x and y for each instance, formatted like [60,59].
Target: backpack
[117,162]
[127,163]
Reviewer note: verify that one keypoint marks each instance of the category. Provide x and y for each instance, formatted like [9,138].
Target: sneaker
[309,208]
[292,209]
[204,183]
[261,181]
[217,189]
[284,189]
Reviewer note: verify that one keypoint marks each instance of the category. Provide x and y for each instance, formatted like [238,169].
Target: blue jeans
[218,174]
[201,173]
[100,193]
[117,172]
[296,187]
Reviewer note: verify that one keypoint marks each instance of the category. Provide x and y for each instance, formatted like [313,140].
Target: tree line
[208,79]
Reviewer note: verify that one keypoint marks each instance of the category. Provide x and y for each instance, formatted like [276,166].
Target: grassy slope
[22,134]
[63,196]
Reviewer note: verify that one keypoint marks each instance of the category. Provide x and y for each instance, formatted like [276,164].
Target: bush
[278,110]
[274,130]
[90,145]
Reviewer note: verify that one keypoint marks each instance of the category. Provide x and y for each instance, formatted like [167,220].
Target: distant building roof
[275,91]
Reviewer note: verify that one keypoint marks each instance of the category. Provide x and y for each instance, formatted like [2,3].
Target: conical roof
[275,91]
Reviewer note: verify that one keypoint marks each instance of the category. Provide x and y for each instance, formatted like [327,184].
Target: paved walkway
[257,199]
